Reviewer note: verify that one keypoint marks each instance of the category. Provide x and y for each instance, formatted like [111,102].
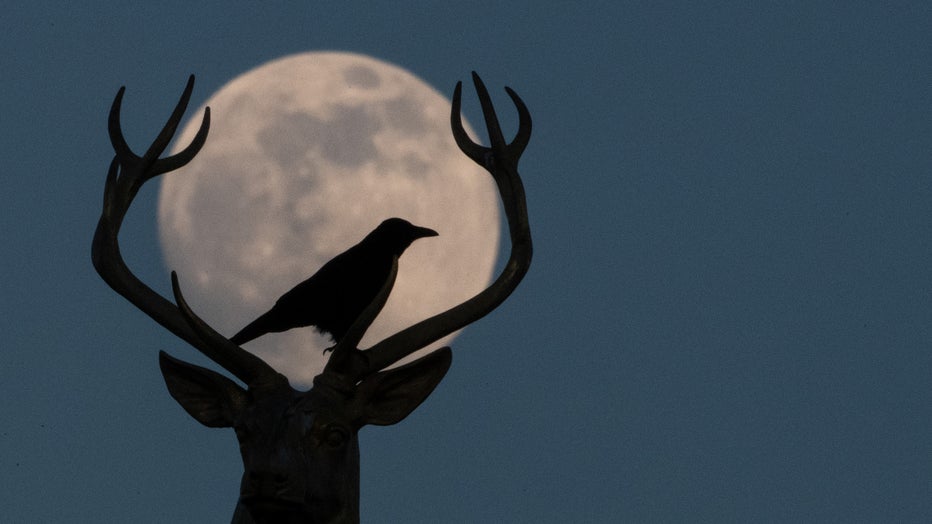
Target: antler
[128,172]
[500,159]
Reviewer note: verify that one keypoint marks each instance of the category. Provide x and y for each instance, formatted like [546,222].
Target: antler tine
[178,160]
[181,158]
[122,149]
[168,130]
[496,139]
[523,136]
[247,367]
[471,149]
[501,161]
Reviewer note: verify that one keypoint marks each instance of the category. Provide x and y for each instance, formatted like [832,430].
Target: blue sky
[728,316]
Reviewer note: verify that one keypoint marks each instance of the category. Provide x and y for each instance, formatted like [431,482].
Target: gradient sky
[729,314]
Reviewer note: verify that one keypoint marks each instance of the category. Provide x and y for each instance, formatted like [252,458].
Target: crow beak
[421,232]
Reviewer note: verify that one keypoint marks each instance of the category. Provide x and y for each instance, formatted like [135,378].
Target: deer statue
[300,449]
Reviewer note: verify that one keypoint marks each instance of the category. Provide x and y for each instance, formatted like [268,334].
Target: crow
[336,295]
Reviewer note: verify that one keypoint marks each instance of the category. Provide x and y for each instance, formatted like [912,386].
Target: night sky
[729,313]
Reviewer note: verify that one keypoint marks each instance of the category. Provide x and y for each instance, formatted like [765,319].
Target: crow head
[396,234]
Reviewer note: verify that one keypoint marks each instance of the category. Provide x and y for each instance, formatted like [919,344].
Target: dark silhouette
[335,296]
[300,449]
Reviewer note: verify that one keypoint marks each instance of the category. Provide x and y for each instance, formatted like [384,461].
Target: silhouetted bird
[336,295]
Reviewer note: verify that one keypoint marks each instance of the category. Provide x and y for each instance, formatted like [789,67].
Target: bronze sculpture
[300,448]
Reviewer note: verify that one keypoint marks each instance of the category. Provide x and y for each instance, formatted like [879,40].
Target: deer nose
[268,476]
[267,483]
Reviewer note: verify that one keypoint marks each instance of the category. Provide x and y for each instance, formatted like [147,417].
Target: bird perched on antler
[334,297]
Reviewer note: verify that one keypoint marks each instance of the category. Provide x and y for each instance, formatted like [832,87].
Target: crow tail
[254,330]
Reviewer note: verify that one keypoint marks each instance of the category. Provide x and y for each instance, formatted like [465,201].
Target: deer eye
[335,436]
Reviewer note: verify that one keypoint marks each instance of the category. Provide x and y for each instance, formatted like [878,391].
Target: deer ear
[389,396]
[209,397]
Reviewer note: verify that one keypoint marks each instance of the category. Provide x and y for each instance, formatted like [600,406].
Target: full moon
[306,154]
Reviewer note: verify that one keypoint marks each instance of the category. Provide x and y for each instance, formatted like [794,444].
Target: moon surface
[306,154]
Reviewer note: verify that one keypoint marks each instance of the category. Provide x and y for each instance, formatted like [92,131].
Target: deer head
[300,449]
